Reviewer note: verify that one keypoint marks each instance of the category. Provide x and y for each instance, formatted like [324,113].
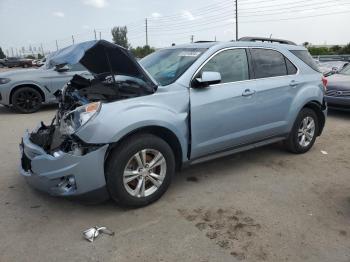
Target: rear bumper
[50,173]
[333,101]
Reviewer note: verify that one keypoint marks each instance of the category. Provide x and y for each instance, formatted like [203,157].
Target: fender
[115,122]
[44,90]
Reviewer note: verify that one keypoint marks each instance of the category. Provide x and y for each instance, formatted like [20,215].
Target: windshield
[167,65]
[345,70]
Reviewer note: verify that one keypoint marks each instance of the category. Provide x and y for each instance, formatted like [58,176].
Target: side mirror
[208,78]
[61,69]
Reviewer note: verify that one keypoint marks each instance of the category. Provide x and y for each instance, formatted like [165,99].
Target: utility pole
[100,35]
[12,51]
[146,32]
[42,49]
[56,45]
[73,39]
[95,34]
[192,36]
[236,2]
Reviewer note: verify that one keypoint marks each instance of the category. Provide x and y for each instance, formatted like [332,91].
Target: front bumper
[333,101]
[48,173]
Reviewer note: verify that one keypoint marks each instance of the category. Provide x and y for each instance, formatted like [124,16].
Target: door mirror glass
[207,78]
[61,68]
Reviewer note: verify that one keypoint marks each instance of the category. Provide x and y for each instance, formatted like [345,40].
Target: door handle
[248,92]
[293,83]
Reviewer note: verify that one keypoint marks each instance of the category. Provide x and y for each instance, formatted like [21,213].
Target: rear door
[223,115]
[276,86]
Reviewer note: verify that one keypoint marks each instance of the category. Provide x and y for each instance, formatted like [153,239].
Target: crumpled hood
[338,82]
[101,57]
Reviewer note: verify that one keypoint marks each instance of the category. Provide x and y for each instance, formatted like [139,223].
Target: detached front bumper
[64,174]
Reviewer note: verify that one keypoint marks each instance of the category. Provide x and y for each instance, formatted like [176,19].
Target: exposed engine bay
[78,101]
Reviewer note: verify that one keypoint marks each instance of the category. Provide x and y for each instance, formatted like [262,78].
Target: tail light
[324,82]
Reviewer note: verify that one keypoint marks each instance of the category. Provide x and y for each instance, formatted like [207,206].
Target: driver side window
[231,64]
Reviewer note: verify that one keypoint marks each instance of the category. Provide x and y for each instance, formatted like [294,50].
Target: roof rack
[204,41]
[265,39]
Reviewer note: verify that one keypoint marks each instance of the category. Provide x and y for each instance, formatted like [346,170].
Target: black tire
[26,100]
[119,159]
[292,143]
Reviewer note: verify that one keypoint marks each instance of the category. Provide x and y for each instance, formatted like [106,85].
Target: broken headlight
[75,119]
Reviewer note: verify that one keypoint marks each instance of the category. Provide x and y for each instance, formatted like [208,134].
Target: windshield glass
[167,65]
[345,70]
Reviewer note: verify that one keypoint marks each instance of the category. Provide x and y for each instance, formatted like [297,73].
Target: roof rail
[265,39]
[204,41]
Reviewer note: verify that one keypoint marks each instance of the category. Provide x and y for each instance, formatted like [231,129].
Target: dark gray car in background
[338,89]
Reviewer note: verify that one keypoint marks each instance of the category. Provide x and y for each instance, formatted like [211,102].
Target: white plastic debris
[324,152]
[93,232]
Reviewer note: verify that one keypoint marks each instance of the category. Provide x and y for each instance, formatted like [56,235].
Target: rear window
[268,63]
[306,58]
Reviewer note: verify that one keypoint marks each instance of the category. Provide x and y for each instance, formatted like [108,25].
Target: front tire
[26,100]
[304,132]
[139,171]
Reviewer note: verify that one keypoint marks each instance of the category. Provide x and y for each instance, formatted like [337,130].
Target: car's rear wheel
[304,132]
[26,100]
[140,170]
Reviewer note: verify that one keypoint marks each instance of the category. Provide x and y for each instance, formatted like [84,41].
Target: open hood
[100,57]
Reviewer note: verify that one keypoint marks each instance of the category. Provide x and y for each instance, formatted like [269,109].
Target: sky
[37,23]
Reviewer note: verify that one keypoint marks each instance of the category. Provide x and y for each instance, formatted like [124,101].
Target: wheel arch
[318,108]
[164,133]
[36,87]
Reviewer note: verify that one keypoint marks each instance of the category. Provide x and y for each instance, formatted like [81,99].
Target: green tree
[319,50]
[2,55]
[119,34]
[143,51]
[345,50]
[40,56]
[306,44]
[335,49]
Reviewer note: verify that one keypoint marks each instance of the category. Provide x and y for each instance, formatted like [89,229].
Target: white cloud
[96,3]
[58,14]
[188,15]
[156,15]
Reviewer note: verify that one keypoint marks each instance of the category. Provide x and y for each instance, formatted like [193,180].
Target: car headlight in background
[75,119]
[4,80]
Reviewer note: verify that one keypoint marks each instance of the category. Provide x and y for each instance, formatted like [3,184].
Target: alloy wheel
[28,100]
[306,131]
[144,173]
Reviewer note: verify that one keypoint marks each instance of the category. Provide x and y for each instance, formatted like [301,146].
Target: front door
[224,115]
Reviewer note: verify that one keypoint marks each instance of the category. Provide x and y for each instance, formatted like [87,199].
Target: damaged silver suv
[124,133]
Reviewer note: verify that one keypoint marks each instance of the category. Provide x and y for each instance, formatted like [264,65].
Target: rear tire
[304,132]
[26,100]
[148,162]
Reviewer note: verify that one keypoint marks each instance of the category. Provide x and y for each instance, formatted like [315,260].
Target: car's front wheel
[304,132]
[139,171]
[26,100]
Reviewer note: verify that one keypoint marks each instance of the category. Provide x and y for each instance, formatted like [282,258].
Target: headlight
[75,119]
[4,80]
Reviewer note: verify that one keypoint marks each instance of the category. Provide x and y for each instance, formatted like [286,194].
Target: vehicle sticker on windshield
[190,53]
